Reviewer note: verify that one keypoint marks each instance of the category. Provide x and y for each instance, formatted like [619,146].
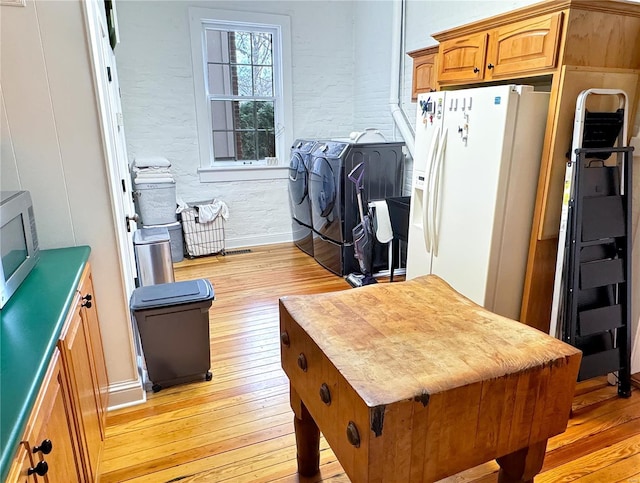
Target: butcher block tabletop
[411,381]
[419,337]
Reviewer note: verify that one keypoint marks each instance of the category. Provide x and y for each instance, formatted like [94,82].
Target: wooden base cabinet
[81,348]
[65,435]
[49,450]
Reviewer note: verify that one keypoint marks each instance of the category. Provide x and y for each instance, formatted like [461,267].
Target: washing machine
[334,205]
[299,194]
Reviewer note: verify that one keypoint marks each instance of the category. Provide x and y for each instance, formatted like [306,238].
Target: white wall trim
[397,48]
[252,241]
[242,173]
[127,393]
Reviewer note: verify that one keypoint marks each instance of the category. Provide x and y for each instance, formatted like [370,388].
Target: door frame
[115,155]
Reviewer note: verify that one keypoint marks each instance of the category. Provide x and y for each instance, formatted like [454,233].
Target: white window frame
[211,170]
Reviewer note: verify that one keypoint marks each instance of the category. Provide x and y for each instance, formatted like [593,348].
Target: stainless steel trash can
[152,248]
[172,325]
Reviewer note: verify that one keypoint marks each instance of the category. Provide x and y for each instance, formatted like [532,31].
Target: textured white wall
[52,146]
[155,72]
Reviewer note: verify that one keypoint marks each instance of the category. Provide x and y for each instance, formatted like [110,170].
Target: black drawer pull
[86,301]
[45,447]
[476,70]
[302,362]
[352,434]
[325,394]
[40,469]
[284,338]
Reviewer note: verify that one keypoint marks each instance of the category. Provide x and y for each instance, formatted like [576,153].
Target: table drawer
[339,412]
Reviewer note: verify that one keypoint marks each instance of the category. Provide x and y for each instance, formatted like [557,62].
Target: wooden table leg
[307,442]
[523,465]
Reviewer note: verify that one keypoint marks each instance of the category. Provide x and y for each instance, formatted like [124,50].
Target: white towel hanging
[381,221]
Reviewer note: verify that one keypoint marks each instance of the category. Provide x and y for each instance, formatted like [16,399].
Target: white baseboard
[252,241]
[124,394]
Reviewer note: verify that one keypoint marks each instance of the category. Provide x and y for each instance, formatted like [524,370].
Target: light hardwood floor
[239,427]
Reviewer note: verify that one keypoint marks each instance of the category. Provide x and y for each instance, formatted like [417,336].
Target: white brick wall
[154,61]
[341,78]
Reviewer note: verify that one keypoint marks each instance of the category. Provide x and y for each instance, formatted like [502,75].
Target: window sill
[242,173]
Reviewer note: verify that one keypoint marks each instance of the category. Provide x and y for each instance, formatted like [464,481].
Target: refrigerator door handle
[435,188]
[426,227]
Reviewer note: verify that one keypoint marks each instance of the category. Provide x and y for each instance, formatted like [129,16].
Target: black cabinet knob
[476,70]
[490,66]
[284,338]
[352,434]
[302,362]
[45,447]
[86,301]
[40,469]
[325,394]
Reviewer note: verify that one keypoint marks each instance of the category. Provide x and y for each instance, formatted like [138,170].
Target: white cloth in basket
[208,212]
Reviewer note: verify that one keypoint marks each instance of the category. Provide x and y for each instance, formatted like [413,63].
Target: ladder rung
[599,364]
[599,320]
[600,273]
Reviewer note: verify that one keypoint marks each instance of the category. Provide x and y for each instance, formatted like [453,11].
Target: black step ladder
[591,307]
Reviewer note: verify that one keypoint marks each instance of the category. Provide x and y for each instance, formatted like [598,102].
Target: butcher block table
[413,382]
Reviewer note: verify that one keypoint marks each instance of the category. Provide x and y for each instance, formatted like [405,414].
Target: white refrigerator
[475,176]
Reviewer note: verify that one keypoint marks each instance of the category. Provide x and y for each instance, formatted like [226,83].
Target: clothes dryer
[334,206]
[299,194]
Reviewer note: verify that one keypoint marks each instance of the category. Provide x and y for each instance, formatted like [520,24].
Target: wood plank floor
[239,427]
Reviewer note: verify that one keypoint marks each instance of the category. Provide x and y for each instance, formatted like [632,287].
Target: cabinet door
[524,47]
[49,450]
[77,353]
[424,71]
[58,430]
[19,471]
[89,313]
[462,59]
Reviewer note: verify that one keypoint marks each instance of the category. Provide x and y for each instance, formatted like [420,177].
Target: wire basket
[202,239]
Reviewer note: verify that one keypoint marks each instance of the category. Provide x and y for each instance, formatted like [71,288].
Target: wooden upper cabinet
[514,49]
[524,47]
[462,59]
[424,71]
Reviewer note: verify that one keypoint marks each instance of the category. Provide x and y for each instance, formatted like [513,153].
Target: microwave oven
[18,241]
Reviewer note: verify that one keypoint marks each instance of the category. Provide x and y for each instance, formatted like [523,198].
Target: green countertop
[30,325]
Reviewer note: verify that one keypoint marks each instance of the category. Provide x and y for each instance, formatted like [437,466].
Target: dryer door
[324,194]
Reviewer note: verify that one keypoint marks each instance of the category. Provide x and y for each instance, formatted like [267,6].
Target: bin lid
[151,162]
[154,183]
[148,236]
[169,226]
[174,293]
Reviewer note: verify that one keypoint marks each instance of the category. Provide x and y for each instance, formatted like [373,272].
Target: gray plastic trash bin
[172,322]
[152,248]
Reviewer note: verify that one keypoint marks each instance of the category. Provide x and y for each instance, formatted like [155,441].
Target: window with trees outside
[243,93]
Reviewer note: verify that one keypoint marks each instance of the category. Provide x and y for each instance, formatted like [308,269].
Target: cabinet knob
[45,447]
[476,70]
[40,469]
[284,338]
[302,362]
[352,434]
[490,66]
[86,301]
[325,394]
